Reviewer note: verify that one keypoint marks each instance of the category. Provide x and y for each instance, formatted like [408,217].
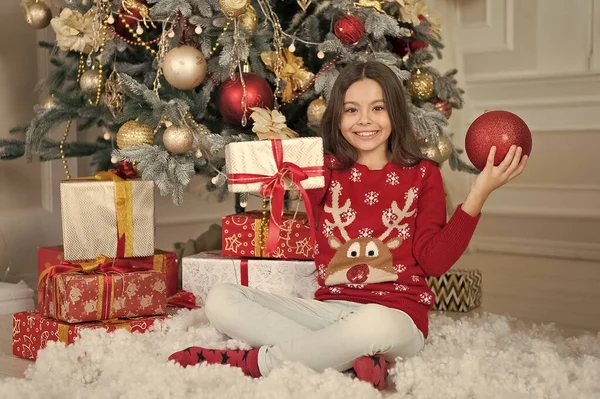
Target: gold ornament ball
[439,153]
[178,139]
[249,19]
[38,15]
[184,67]
[133,133]
[234,8]
[315,111]
[89,81]
[420,85]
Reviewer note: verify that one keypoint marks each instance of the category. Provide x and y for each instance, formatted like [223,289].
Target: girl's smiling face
[365,122]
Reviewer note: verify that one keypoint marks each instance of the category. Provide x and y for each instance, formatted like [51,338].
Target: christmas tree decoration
[237,96]
[249,19]
[496,128]
[315,111]
[38,15]
[349,29]
[439,153]
[405,45]
[77,32]
[234,8]
[131,14]
[374,4]
[270,124]
[156,72]
[89,81]
[184,67]
[292,71]
[114,95]
[420,85]
[444,107]
[133,133]
[178,139]
[304,4]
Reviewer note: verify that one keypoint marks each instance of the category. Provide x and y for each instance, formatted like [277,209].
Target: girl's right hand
[493,177]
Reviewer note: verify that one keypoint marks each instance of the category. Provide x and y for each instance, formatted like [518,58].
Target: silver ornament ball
[89,81]
[178,139]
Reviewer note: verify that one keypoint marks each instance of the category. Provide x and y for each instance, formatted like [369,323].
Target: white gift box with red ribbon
[273,166]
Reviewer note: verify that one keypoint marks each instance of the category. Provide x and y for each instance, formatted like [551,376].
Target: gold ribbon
[296,76]
[123,209]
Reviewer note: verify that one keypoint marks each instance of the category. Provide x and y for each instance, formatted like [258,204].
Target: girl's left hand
[493,177]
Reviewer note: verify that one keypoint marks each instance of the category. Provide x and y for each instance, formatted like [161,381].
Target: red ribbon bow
[183,299]
[125,171]
[274,188]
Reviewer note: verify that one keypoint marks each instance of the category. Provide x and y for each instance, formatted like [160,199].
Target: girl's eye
[350,110]
[379,108]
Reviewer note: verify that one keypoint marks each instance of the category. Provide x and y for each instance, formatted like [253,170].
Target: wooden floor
[533,289]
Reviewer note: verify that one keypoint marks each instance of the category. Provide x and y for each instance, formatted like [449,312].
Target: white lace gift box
[251,164]
[292,278]
[115,219]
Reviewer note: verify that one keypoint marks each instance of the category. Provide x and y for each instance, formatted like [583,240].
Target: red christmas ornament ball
[258,94]
[349,29]
[496,128]
[402,46]
[132,17]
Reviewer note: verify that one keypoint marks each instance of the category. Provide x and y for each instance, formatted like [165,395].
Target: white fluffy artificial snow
[484,356]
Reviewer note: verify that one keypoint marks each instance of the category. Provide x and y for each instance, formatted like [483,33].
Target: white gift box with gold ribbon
[111,218]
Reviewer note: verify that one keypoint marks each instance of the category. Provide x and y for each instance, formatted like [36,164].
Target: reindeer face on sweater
[363,260]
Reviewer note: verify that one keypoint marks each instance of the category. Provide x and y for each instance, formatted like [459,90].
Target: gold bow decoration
[270,124]
[292,68]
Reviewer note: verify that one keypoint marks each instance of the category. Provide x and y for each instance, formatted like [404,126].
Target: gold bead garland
[100,51]
[216,46]
[203,130]
[137,37]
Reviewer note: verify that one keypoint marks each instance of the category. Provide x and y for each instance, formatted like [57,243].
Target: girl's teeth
[366,134]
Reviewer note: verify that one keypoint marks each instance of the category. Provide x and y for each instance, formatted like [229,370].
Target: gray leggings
[319,334]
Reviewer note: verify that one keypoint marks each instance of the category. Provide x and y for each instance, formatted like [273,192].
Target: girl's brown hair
[402,144]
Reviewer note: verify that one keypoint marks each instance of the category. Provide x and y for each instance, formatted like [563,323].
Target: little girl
[381,229]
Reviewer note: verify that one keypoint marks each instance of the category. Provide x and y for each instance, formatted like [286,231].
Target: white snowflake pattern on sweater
[316,249]
[371,198]
[392,179]
[404,233]
[399,268]
[425,298]
[366,232]
[379,293]
[416,279]
[400,287]
[350,213]
[356,286]
[335,290]
[321,269]
[355,175]
[327,230]
[423,170]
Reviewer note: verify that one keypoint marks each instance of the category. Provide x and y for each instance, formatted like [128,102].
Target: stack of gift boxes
[107,274]
[275,254]
[268,249]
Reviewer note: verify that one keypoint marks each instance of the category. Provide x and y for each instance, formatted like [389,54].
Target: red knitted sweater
[380,232]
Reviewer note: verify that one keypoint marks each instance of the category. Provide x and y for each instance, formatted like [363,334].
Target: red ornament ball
[496,128]
[404,45]
[349,29]
[258,94]
[132,17]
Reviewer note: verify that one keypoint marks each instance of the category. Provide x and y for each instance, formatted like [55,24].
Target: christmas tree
[172,82]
